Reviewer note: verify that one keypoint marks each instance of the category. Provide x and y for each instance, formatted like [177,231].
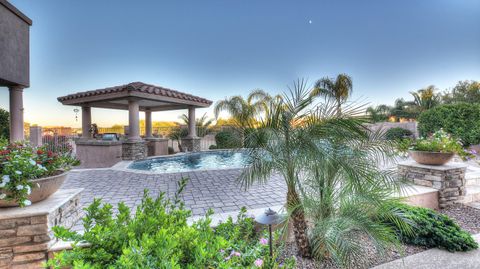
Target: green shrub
[213,147]
[433,229]
[228,140]
[397,133]
[461,120]
[158,236]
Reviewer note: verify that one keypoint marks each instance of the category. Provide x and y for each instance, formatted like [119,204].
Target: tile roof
[139,87]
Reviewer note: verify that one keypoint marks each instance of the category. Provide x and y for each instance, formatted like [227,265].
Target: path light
[269,217]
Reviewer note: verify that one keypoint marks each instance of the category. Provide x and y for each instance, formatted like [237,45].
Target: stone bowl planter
[430,158]
[46,187]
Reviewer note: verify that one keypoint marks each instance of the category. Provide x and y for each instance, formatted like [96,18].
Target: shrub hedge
[433,229]
[461,120]
[228,140]
[397,133]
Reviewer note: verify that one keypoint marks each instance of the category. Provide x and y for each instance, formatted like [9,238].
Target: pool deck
[215,189]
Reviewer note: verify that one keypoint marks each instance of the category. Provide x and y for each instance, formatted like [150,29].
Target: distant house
[14,62]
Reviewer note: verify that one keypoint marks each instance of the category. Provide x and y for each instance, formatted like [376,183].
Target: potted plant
[29,175]
[437,149]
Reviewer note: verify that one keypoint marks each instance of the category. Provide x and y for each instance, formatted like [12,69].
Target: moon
[310,21]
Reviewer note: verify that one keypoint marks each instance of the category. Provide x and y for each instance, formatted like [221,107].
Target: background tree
[467,91]
[203,124]
[426,98]
[404,109]
[340,89]
[245,112]
[4,124]
[379,113]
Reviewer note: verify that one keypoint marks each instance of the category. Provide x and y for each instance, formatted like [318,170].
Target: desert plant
[203,124]
[397,133]
[433,229]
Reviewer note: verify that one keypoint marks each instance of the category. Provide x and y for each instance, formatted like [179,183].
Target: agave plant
[329,163]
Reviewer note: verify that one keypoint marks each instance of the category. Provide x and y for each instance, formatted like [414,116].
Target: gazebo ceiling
[149,97]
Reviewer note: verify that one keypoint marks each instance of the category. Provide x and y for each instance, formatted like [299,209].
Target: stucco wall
[412,126]
[14,48]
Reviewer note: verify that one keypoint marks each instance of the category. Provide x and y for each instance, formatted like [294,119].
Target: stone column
[133,121]
[192,130]
[86,122]
[148,124]
[448,179]
[35,136]
[16,113]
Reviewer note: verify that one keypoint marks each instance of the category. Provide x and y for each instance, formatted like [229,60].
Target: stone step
[472,194]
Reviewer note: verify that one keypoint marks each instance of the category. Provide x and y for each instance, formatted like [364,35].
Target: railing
[59,139]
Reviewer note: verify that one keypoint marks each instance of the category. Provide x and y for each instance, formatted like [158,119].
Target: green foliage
[461,120]
[440,141]
[467,91]
[20,163]
[4,124]
[228,140]
[379,113]
[397,133]
[433,229]
[158,236]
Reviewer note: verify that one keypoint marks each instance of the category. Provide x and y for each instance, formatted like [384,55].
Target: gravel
[467,217]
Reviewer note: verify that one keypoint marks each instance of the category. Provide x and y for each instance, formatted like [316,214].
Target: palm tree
[299,140]
[203,124]
[426,98]
[340,89]
[379,113]
[244,112]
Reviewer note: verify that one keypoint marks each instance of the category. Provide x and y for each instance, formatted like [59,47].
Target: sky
[217,49]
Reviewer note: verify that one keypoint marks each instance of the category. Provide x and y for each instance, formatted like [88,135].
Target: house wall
[14,46]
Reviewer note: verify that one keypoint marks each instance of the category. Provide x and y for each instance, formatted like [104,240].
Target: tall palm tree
[426,98]
[340,89]
[245,112]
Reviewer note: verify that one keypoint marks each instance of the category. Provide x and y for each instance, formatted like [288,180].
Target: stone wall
[448,179]
[134,150]
[191,144]
[26,233]
[98,153]
[384,126]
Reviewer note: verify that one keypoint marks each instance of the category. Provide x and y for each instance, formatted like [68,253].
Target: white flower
[20,187]
[18,172]
[32,162]
[5,178]
[29,190]
[2,196]
[27,203]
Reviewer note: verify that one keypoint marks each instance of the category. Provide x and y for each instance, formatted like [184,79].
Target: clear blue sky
[220,48]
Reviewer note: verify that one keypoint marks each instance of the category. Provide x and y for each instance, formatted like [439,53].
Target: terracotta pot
[46,187]
[430,158]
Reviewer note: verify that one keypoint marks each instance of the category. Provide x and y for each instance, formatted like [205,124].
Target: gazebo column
[191,142]
[133,121]
[86,122]
[134,148]
[16,113]
[148,124]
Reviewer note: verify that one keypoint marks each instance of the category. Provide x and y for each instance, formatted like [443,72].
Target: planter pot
[46,187]
[430,158]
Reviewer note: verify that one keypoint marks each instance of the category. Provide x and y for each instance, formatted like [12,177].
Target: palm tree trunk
[299,223]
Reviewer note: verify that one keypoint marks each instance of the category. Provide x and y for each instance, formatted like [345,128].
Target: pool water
[193,161]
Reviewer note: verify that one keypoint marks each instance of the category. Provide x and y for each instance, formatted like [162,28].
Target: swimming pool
[220,159]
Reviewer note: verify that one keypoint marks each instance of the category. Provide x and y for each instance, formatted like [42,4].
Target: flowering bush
[158,236]
[441,141]
[20,163]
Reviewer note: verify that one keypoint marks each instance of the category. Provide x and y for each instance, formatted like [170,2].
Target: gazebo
[135,97]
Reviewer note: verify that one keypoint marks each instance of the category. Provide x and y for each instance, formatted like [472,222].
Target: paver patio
[216,189]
